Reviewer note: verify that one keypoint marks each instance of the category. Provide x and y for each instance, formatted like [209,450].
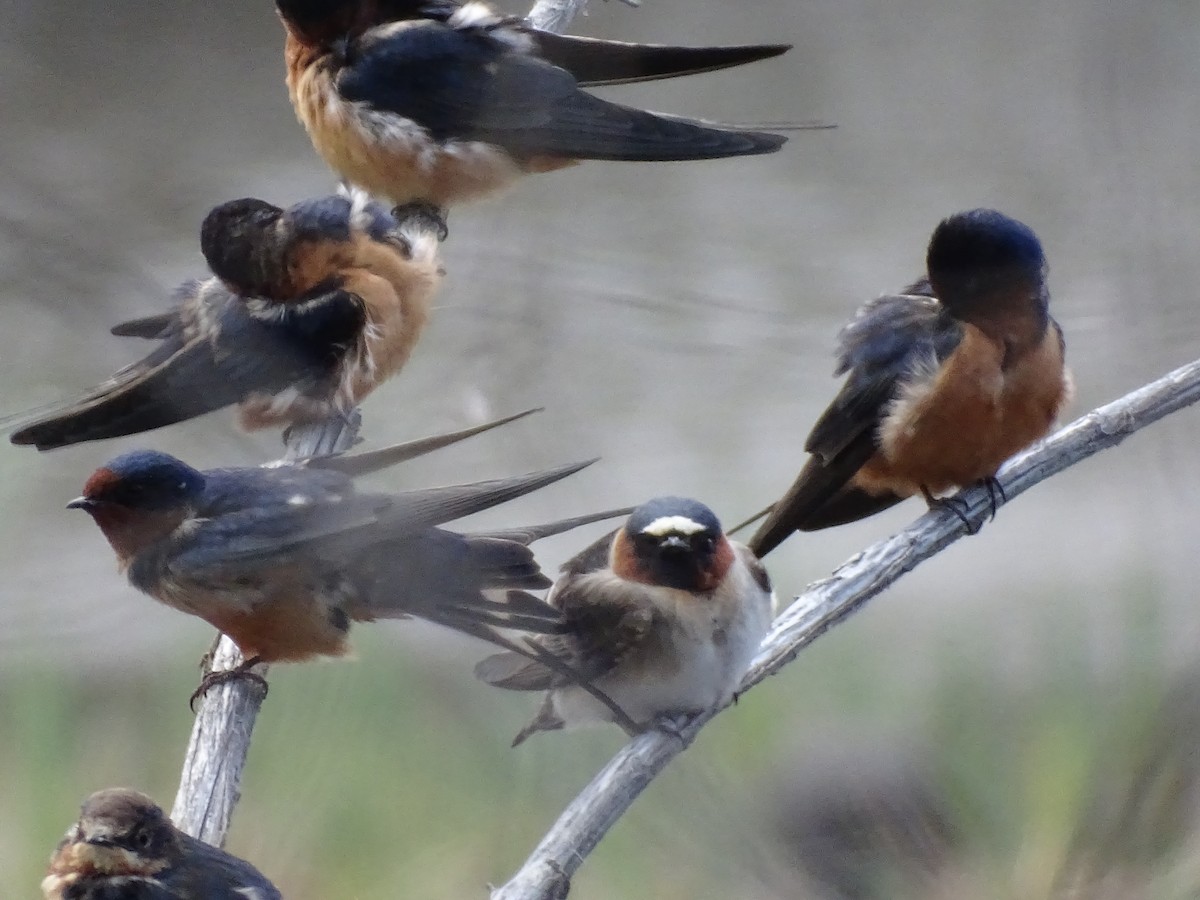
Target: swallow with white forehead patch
[125,848]
[309,309]
[448,102]
[663,616]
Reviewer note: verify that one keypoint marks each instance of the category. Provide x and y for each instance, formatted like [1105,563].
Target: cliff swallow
[308,310]
[447,102]
[945,381]
[284,559]
[664,617]
[125,848]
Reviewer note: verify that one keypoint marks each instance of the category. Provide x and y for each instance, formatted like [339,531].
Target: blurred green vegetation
[391,775]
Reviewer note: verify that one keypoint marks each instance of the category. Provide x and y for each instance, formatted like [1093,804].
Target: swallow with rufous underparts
[663,616]
[123,847]
[307,311]
[448,102]
[284,559]
[944,382]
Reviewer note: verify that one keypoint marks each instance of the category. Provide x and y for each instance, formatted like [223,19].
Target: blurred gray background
[676,319]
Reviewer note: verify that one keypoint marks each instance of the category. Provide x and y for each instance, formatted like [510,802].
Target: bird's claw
[994,489]
[238,673]
[424,215]
[956,505]
[673,724]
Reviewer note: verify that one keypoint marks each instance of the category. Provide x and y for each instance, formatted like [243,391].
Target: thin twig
[555,15]
[585,821]
[210,783]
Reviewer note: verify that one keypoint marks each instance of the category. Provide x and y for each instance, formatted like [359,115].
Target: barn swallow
[308,310]
[284,559]
[945,381]
[447,102]
[663,616]
[125,848]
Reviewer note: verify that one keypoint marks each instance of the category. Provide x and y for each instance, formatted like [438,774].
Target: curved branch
[585,821]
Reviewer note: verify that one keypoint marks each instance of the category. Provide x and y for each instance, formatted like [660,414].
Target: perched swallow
[663,616]
[945,381]
[447,102]
[283,560]
[308,310]
[125,848]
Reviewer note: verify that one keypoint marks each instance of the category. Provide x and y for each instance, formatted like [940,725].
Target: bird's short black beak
[82,503]
[675,545]
[98,841]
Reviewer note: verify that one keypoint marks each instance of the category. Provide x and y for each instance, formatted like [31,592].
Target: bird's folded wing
[604,620]
[465,85]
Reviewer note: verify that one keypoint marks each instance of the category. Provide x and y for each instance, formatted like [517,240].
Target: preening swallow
[446,102]
[663,616]
[125,848]
[944,381]
[307,311]
[283,560]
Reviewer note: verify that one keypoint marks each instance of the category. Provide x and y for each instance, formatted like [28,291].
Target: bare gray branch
[555,15]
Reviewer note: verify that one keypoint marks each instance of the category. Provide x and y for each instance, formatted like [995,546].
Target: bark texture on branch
[546,873]
[555,15]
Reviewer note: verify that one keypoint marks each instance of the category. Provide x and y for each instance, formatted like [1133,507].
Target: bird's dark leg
[995,489]
[212,679]
[673,723]
[425,214]
[956,505]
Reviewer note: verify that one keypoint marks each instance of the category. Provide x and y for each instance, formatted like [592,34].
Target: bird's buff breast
[388,155]
[956,424]
[693,663]
[287,622]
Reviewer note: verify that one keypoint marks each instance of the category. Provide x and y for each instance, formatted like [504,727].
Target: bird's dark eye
[705,543]
[645,541]
[143,839]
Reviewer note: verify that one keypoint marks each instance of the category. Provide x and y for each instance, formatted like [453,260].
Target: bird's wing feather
[467,84]
[250,518]
[216,875]
[369,461]
[604,619]
[256,516]
[595,62]
[120,887]
[197,370]
[152,327]
[889,339]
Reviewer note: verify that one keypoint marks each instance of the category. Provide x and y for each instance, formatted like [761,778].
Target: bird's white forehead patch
[664,525]
[474,15]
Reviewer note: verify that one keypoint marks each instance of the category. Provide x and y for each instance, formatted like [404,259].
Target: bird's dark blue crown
[666,507]
[983,241]
[148,479]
